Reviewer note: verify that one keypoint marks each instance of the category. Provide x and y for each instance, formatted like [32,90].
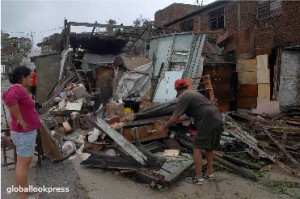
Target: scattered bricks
[115,119]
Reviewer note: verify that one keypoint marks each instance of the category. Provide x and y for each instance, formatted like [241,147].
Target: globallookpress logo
[32,189]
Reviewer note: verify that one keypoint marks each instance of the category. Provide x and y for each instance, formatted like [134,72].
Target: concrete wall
[289,88]
[47,69]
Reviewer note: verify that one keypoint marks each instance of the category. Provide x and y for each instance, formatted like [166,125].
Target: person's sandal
[209,177]
[194,180]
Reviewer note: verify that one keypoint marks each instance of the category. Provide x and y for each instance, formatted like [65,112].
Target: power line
[35,32]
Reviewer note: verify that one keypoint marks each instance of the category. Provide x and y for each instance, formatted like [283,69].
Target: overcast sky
[43,18]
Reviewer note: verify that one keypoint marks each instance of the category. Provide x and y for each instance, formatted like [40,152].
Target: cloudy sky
[43,18]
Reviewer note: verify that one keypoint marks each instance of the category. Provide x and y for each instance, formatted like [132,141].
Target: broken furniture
[7,144]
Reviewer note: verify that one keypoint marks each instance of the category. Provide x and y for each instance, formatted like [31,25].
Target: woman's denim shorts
[25,143]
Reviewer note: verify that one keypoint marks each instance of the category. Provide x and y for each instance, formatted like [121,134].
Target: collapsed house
[109,107]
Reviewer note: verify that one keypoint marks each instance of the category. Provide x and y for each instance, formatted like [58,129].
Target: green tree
[111,22]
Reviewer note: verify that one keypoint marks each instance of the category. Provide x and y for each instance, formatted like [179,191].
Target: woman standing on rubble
[25,122]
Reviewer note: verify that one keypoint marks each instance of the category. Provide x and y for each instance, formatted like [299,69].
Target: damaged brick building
[251,52]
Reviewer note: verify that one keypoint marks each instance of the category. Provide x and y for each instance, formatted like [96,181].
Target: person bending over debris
[24,125]
[208,121]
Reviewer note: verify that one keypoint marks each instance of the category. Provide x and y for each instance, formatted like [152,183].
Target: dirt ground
[102,184]
[105,184]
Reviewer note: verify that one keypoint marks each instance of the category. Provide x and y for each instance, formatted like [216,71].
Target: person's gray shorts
[25,143]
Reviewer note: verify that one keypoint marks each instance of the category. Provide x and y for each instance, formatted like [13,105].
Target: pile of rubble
[115,137]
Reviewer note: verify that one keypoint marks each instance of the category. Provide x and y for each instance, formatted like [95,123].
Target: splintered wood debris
[107,135]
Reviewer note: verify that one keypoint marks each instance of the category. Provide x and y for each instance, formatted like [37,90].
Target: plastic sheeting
[137,81]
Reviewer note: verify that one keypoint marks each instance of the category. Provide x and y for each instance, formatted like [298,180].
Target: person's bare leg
[198,163]
[21,175]
[210,160]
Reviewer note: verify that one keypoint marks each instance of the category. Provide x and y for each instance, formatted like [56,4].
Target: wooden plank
[263,76]
[49,147]
[103,25]
[288,155]
[235,130]
[120,140]
[246,102]
[175,166]
[247,90]
[262,62]
[282,129]
[145,133]
[247,78]
[236,169]
[238,161]
[264,91]
[111,162]
[246,65]
[145,121]
[93,30]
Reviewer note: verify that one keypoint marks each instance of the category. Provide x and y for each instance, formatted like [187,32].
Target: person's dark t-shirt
[193,104]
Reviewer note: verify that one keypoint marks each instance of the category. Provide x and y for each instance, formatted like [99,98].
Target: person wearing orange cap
[208,121]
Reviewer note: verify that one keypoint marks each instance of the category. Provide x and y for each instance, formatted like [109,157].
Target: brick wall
[172,12]
[283,29]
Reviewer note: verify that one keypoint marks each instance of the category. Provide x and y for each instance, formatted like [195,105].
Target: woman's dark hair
[18,73]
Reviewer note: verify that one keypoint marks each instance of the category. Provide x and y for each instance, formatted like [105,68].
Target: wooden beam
[238,161]
[49,147]
[120,140]
[288,155]
[93,30]
[103,25]
[133,43]
[236,169]
[111,162]
[174,167]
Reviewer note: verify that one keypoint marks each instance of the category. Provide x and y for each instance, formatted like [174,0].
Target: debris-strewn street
[101,184]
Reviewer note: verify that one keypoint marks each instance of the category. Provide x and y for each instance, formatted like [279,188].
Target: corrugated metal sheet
[164,50]
[289,88]
[165,91]
[177,52]
[195,64]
